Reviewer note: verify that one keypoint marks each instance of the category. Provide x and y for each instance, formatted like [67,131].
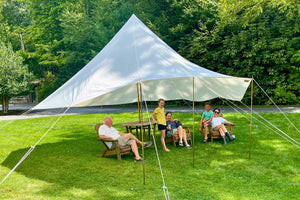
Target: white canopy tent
[137,66]
[136,54]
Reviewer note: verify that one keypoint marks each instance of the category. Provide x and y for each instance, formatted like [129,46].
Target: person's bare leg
[135,150]
[162,139]
[206,131]
[201,129]
[132,137]
[231,129]
[222,133]
[184,138]
[227,133]
[180,132]
[223,128]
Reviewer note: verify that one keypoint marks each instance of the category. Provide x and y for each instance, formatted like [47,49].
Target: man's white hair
[106,119]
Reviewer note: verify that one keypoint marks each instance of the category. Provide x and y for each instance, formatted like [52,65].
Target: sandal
[148,144]
[205,140]
[138,160]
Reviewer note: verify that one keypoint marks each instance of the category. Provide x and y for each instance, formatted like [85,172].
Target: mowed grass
[64,164]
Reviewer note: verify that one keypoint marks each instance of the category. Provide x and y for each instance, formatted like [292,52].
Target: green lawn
[64,165]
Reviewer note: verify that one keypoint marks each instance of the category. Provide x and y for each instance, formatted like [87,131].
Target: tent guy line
[267,126]
[276,106]
[253,80]
[165,189]
[273,125]
[32,148]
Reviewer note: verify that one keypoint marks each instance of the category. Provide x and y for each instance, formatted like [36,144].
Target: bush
[47,86]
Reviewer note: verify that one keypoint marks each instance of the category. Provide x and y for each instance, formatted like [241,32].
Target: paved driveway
[121,109]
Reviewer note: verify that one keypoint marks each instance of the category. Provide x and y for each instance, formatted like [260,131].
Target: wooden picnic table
[137,126]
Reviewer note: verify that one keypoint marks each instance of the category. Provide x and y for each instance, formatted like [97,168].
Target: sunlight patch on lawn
[217,164]
[118,192]
[278,145]
[227,153]
[80,193]
[297,178]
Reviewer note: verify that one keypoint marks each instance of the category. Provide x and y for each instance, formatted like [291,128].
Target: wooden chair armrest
[107,140]
[187,127]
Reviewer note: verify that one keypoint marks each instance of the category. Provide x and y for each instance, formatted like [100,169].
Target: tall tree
[14,76]
[264,46]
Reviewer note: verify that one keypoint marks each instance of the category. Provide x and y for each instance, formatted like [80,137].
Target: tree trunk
[5,101]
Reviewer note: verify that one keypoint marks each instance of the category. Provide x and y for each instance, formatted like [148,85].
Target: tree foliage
[255,38]
[14,75]
[46,86]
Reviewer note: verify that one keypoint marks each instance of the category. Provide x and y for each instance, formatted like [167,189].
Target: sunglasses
[217,112]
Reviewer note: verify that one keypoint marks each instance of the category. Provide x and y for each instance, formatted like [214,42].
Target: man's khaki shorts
[123,141]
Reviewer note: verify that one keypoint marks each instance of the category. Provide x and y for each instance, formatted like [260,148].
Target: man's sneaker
[188,146]
[181,144]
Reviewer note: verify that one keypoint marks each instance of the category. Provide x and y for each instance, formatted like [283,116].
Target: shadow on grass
[73,164]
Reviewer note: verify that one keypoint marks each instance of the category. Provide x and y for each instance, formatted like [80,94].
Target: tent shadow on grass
[74,164]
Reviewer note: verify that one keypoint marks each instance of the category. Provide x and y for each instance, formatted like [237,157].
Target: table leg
[154,129]
[149,132]
[137,132]
[144,132]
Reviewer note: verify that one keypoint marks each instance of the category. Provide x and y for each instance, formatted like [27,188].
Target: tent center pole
[138,100]
[251,113]
[142,131]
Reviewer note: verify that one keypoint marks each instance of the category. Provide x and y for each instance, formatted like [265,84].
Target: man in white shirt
[106,131]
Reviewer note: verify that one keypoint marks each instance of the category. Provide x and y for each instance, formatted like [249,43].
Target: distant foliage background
[255,38]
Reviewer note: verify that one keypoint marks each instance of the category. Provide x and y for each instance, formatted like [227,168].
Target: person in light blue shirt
[207,116]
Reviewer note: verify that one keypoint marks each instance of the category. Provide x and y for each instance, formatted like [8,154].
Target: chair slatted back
[97,127]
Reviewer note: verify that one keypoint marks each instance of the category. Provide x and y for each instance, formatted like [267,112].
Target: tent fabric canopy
[136,54]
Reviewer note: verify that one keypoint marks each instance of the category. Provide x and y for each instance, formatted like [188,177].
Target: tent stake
[142,132]
[194,122]
[251,118]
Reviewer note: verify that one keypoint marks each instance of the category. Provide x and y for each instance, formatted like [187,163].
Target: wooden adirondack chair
[175,136]
[216,134]
[115,148]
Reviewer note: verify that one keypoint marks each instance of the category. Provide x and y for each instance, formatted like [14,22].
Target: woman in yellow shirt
[159,112]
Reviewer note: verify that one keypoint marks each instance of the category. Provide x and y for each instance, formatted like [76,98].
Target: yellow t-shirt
[160,115]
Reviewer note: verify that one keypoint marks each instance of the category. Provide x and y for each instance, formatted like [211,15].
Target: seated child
[207,116]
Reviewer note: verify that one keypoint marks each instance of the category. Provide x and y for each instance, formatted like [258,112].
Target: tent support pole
[251,118]
[193,121]
[142,131]
[138,100]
